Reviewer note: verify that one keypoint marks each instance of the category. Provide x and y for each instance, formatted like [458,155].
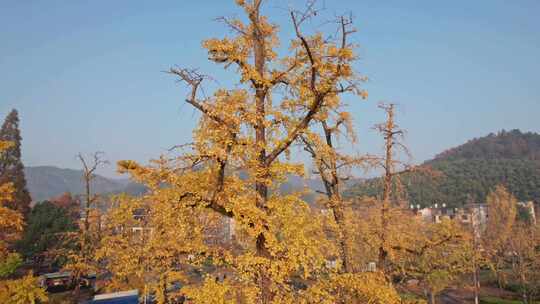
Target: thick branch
[299,129]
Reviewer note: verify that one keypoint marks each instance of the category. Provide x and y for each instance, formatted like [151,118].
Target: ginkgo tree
[405,245]
[499,229]
[436,254]
[333,167]
[239,157]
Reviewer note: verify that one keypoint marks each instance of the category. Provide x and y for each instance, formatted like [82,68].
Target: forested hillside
[470,171]
[503,145]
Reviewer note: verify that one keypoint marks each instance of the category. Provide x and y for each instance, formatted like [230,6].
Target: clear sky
[86,75]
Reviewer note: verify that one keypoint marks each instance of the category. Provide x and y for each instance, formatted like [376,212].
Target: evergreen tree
[11,167]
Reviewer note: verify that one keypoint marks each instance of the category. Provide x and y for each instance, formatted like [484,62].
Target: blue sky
[86,75]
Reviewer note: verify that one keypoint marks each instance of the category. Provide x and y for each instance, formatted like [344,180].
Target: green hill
[470,171]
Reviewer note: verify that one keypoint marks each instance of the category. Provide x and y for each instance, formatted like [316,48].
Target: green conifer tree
[11,166]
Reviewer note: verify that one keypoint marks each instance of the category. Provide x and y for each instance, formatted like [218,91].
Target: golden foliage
[18,291]
[499,229]
[502,215]
[525,267]
[211,292]
[22,291]
[11,221]
[233,169]
[352,288]
[437,256]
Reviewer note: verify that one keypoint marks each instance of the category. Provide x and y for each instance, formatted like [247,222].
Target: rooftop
[122,297]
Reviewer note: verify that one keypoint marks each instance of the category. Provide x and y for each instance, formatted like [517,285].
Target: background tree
[524,248]
[45,231]
[327,162]
[71,204]
[11,166]
[393,208]
[477,257]
[437,256]
[333,167]
[499,229]
[391,134]
[89,174]
[81,260]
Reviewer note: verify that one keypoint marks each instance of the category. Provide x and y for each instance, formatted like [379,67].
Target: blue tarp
[122,300]
[125,297]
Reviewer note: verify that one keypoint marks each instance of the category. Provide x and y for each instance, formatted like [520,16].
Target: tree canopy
[45,229]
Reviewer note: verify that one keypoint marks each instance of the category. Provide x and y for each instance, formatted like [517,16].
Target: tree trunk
[260,140]
[499,278]
[476,280]
[476,285]
[387,191]
[328,171]
[264,280]
[339,217]
[88,202]
[164,287]
[77,290]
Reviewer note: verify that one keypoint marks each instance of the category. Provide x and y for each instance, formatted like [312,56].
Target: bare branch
[182,146]
[194,80]
[232,25]
[88,176]
[306,48]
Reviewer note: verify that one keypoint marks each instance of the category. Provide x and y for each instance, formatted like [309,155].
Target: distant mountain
[314,186]
[471,170]
[45,182]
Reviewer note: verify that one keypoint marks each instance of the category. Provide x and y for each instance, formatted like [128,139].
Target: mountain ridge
[45,182]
